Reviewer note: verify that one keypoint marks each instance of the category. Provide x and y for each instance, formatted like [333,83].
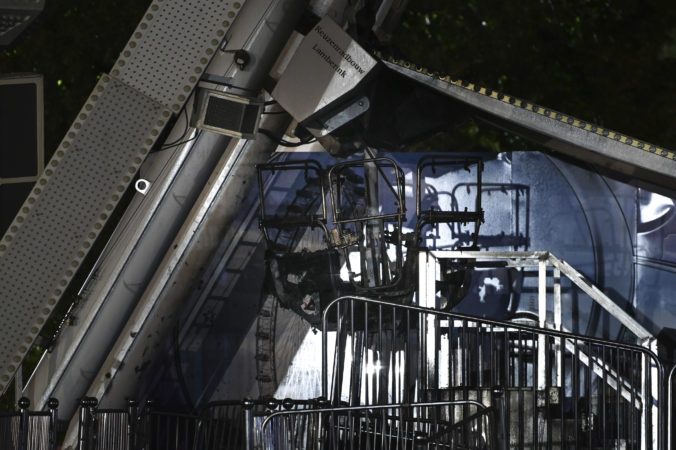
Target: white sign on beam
[327,64]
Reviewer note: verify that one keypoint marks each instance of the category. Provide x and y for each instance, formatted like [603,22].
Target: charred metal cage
[430,206]
[369,207]
[302,266]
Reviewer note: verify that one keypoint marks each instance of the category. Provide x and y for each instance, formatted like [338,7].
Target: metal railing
[413,377]
[217,425]
[548,290]
[670,408]
[560,389]
[369,207]
[234,423]
[263,424]
[428,209]
[29,430]
[221,425]
[134,428]
[430,425]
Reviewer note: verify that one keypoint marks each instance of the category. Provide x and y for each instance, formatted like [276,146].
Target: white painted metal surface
[327,65]
[172,46]
[123,270]
[95,163]
[427,275]
[529,259]
[67,209]
[544,261]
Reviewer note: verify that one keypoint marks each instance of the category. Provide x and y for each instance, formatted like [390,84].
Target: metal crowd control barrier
[430,425]
[584,392]
[545,263]
[29,430]
[134,428]
[219,425]
[233,424]
[165,430]
[670,408]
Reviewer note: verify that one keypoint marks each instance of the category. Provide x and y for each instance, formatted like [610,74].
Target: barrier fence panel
[168,430]
[221,425]
[29,430]
[397,426]
[131,428]
[399,376]
[670,408]
[9,430]
[112,430]
[584,393]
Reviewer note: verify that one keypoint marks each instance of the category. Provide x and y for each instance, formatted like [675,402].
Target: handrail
[602,299]
[516,326]
[371,412]
[462,422]
[372,407]
[23,435]
[650,400]
[670,405]
[575,276]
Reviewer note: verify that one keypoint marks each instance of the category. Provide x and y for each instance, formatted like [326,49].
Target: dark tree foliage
[71,44]
[609,62]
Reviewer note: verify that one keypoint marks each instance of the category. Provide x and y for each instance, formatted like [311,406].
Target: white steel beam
[82,184]
[67,209]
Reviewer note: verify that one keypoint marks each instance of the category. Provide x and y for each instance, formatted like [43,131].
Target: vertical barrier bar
[356,349]
[542,318]
[427,289]
[500,434]
[86,438]
[24,404]
[670,405]
[618,395]
[657,393]
[132,418]
[588,395]
[248,405]
[645,410]
[325,354]
[147,424]
[558,323]
[53,405]
[368,364]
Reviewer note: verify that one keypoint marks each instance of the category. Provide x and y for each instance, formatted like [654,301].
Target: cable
[221,82]
[184,113]
[273,102]
[237,87]
[283,142]
[273,157]
[176,144]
